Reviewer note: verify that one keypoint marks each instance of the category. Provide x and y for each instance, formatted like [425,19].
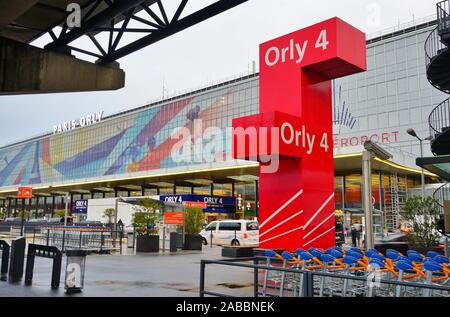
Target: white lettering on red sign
[302,138]
[295,51]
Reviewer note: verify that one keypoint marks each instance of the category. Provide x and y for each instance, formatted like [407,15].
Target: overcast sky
[212,51]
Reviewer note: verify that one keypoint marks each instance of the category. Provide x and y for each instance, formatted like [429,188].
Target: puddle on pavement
[176,286]
[234,286]
[125,283]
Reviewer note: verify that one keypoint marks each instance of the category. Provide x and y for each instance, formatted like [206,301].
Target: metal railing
[93,240]
[439,119]
[443,13]
[311,281]
[433,48]
[442,194]
[435,45]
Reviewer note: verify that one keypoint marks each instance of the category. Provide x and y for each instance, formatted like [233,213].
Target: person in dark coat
[358,236]
[354,234]
[120,225]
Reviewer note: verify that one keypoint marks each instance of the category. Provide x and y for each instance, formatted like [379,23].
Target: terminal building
[182,145]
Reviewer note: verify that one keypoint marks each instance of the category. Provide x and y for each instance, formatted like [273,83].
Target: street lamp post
[413,133]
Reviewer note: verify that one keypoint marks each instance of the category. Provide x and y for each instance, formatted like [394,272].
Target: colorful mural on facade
[135,142]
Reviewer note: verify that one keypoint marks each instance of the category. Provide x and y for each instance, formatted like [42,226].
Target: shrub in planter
[145,221]
[147,243]
[193,225]
[421,216]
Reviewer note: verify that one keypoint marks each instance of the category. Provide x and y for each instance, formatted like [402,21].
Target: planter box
[239,252]
[193,242]
[424,251]
[146,243]
[401,247]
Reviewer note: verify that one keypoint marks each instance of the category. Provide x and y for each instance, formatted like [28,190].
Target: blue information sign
[80,207]
[219,204]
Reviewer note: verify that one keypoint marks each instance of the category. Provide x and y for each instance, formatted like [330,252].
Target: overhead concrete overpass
[28,69]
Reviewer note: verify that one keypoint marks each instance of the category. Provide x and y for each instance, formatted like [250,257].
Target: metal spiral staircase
[437,54]
[442,194]
[438,72]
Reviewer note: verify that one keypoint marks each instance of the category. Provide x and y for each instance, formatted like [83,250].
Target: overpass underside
[27,69]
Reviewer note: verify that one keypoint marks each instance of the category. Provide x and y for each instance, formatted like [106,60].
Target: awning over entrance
[439,165]
[360,211]
[247,172]
[348,163]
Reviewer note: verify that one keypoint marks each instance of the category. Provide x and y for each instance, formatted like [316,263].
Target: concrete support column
[53,206]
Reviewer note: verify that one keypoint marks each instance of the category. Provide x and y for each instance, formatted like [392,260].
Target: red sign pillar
[292,137]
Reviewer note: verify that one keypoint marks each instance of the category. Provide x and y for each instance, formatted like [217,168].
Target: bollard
[75,270]
[211,240]
[130,240]
[17,259]
[36,250]
[4,246]
[120,242]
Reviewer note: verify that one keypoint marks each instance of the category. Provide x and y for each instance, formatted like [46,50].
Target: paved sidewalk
[128,275]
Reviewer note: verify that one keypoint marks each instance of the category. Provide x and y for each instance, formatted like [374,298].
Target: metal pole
[9,207]
[115,214]
[367,199]
[29,211]
[66,210]
[202,279]
[164,239]
[53,206]
[256,199]
[22,223]
[114,233]
[255,278]
[423,172]
[37,207]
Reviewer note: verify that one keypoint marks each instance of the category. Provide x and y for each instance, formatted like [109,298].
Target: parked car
[37,221]
[91,223]
[60,220]
[13,220]
[232,232]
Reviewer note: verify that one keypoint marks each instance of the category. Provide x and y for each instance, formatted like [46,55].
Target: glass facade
[377,105]
[143,140]
[392,96]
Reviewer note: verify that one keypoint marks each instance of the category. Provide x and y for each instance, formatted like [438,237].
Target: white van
[232,232]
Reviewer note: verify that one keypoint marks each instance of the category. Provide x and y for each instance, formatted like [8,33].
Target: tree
[109,213]
[146,217]
[59,213]
[193,220]
[19,214]
[422,216]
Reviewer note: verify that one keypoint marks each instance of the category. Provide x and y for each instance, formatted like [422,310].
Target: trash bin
[75,268]
[130,240]
[173,242]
